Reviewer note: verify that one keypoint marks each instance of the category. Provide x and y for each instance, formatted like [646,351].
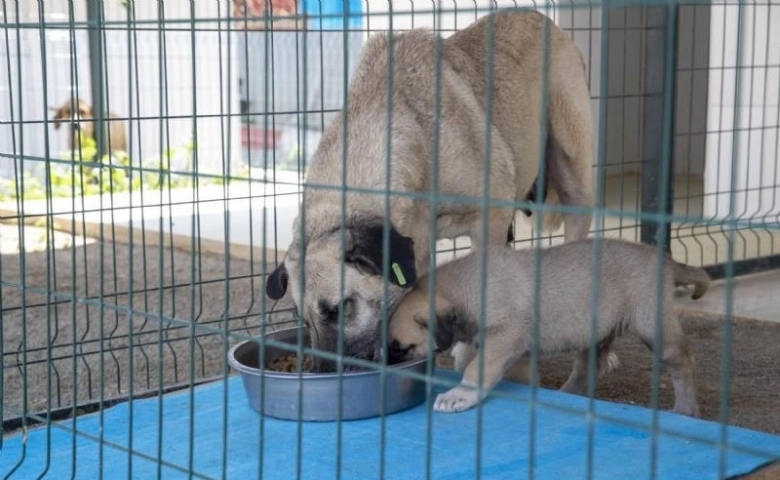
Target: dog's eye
[330,313]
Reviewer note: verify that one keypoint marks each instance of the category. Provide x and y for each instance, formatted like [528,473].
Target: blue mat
[311,450]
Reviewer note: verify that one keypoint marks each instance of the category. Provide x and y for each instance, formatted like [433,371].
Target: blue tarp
[212,431]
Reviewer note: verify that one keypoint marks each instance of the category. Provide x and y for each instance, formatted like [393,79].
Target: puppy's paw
[456,400]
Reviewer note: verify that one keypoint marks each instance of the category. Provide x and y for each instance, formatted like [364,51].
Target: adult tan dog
[313,263]
[627,302]
[81,121]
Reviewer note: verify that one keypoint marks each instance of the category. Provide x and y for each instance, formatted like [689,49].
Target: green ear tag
[399,275]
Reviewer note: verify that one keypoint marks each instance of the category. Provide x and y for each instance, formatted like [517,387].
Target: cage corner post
[657,156]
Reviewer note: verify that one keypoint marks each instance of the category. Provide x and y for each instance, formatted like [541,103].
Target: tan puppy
[81,121]
[626,303]
[369,166]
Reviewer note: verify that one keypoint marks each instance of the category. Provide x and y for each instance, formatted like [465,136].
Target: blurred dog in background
[82,122]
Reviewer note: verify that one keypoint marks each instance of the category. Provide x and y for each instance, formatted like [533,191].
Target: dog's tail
[685,274]
[567,179]
[551,220]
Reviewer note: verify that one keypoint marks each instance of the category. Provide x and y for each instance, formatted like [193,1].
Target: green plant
[5,189]
[241,176]
[30,185]
[84,175]
[79,178]
[156,171]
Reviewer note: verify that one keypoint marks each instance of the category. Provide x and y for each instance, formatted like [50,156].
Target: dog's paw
[456,400]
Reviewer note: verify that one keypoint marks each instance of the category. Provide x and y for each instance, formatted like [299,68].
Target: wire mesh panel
[89,313]
[181,179]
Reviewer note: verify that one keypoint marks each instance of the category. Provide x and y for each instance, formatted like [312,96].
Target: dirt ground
[121,289]
[754,387]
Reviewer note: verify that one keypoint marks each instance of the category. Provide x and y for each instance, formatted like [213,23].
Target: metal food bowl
[276,394]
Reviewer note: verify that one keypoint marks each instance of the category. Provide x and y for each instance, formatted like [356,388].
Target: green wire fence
[129,272]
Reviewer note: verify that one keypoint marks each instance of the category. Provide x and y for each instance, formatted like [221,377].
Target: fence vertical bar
[598,220]
[666,161]
[728,324]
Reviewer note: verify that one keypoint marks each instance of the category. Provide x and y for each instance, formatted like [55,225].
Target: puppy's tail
[685,274]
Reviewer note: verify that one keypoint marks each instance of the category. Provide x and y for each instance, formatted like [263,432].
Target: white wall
[215,76]
[294,83]
[22,105]
[743,115]
[178,92]
[624,91]
[196,90]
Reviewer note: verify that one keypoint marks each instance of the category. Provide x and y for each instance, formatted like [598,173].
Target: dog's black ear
[276,284]
[446,323]
[365,253]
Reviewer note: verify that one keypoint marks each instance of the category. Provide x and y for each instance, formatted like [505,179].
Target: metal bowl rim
[407,365]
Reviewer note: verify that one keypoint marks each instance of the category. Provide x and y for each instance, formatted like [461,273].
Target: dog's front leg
[466,395]
[463,354]
[498,221]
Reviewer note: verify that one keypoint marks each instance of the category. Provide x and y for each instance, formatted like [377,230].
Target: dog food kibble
[289,363]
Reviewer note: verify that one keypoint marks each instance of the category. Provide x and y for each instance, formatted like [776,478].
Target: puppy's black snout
[393,358]
[396,353]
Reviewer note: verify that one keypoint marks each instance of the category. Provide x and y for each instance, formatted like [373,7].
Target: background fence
[90,321]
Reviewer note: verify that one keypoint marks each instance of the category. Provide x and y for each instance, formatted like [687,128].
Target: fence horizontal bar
[199,116]
[62,413]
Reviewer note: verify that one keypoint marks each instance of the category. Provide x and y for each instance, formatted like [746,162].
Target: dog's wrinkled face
[354,307]
[326,308]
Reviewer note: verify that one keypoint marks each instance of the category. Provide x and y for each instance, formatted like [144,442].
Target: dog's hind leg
[606,361]
[675,356]
[572,187]
[679,361]
[498,220]
[569,155]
